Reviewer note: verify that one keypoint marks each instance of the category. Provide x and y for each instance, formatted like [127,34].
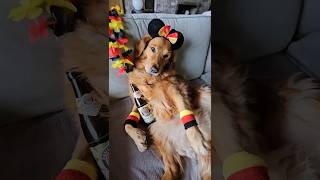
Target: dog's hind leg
[204,165]
[301,99]
[172,162]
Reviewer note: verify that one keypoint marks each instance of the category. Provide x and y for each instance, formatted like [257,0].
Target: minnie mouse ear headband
[157,28]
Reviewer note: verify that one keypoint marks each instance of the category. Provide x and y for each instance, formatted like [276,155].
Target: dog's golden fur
[168,94]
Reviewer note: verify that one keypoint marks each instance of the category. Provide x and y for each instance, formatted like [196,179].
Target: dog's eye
[153,49]
[166,56]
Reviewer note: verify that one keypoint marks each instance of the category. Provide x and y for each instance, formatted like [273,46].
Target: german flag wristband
[187,118]
[133,119]
[76,169]
[243,165]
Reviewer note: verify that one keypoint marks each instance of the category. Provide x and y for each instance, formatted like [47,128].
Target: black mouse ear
[179,41]
[154,26]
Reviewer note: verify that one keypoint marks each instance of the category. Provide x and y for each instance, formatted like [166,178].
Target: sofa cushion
[37,149]
[277,66]
[191,57]
[256,28]
[305,53]
[310,16]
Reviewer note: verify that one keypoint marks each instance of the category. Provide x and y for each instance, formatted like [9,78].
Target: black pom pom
[113,12]
[128,68]
[154,26]
[180,40]
[127,53]
[65,20]
[120,34]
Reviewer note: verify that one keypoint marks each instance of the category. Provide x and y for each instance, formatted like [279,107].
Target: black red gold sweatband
[243,165]
[76,169]
[133,119]
[187,118]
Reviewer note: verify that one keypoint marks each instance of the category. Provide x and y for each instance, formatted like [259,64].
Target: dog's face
[154,55]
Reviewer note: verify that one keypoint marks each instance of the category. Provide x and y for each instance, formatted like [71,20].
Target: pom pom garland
[119,53]
[57,15]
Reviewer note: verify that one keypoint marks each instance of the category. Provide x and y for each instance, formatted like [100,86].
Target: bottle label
[88,105]
[101,153]
[146,114]
[137,94]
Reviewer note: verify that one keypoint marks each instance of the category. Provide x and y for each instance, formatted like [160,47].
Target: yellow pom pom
[116,25]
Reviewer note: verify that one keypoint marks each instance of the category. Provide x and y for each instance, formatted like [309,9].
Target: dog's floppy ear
[141,45]
[154,27]
[171,64]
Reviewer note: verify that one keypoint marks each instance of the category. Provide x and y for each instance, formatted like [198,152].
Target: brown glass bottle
[142,105]
[95,127]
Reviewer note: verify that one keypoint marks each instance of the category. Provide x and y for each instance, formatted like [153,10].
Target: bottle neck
[79,83]
[94,127]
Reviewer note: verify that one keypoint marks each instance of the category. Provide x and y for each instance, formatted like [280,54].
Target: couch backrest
[256,28]
[191,58]
[309,20]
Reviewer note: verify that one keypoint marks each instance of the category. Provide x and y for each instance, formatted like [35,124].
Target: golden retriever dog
[168,94]
[84,50]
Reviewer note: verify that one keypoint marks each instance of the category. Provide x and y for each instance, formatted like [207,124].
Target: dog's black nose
[154,69]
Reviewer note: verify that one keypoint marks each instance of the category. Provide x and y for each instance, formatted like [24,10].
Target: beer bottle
[95,127]
[142,105]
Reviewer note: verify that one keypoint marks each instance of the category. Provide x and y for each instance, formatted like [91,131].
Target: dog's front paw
[141,140]
[139,137]
[199,145]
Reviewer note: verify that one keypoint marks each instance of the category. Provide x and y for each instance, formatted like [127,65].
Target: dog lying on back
[84,50]
[168,95]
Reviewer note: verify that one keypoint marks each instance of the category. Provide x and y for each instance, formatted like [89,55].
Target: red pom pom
[38,29]
[123,41]
[252,173]
[121,71]
[113,52]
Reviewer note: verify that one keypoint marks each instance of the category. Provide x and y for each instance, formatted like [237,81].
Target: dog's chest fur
[167,125]
[157,92]
[173,132]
